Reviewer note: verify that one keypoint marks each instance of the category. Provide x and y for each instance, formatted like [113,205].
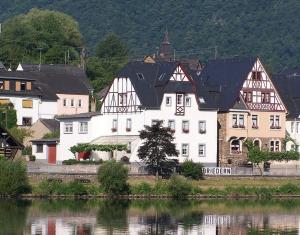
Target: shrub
[13,178]
[161,187]
[76,188]
[179,187]
[113,178]
[32,158]
[192,170]
[142,188]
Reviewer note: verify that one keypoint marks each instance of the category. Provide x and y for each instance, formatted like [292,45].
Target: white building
[43,92]
[141,94]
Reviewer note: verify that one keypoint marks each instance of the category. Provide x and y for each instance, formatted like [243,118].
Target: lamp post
[4,134]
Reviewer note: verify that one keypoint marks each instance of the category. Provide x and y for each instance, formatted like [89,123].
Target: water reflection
[149,217]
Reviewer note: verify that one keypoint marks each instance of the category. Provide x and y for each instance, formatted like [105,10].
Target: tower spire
[165,50]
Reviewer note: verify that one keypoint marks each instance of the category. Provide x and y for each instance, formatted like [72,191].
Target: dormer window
[161,77]
[140,76]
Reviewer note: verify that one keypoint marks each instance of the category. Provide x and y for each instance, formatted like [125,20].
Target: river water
[64,217]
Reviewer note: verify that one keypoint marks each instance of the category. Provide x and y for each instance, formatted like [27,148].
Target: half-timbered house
[142,94]
[250,107]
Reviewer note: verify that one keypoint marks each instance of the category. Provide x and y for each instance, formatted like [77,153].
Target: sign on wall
[216,171]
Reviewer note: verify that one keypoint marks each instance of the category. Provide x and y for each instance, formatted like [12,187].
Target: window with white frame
[65,102]
[202,127]
[179,98]
[39,148]
[185,150]
[274,122]
[122,99]
[292,127]
[68,127]
[201,150]
[254,121]
[241,121]
[235,147]
[168,101]
[114,125]
[188,101]
[79,103]
[128,124]
[83,127]
[274,146]
[235,121]
[171,125]
[72,103]
[185,126]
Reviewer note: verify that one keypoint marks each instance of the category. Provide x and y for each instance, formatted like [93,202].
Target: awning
[115,139]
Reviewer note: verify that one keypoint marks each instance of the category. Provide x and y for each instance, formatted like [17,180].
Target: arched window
[257,143]
[235,146]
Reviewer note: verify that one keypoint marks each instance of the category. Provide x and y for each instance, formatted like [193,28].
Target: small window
[256,75]
[201,150]
[114,125]
[241,121]
[72,102]
[26,121]
[171,125]
[265,98]
[122,99]
[185,127]
[254,121]
[65,102]
[161,77]
[154,122]
[185,150]
[68,128]
[235,121]
[188,101]
[235,147]
[201,100]
[128,124]
[140,76]
[202,127]
[168,101]
[274,146]
[23,86]
[27,104]
[83,127]
[39,148]
[79,103]
[179,99]
[275,122]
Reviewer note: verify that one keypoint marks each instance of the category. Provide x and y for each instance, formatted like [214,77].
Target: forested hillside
[269,29]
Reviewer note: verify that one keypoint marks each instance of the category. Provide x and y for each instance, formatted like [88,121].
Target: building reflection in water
[141,218]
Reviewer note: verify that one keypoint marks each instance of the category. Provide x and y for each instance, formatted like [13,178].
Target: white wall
[48,109]
[295,134]
[101,126]
[40,156]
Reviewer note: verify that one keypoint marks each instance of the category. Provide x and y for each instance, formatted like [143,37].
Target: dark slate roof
[46,141]
[2,67]
[150,88]
[79,115]
[51,80]
[222,79]
[51,124]
[288,84]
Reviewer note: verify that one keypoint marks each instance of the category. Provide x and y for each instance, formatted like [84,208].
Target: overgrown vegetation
[97,147]
[192,170]
[52,135]
[113,178]
[260,157]
[8,116]
[13,178]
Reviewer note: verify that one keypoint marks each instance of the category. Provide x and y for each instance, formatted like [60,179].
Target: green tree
[113,177]
[55,33]
[157,146]
[111,56]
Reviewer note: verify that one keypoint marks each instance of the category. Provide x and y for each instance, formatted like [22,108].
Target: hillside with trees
[198,29]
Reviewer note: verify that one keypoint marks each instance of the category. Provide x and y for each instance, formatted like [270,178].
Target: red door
[52,153]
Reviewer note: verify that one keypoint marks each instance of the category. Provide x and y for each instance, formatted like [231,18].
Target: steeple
[165,51]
